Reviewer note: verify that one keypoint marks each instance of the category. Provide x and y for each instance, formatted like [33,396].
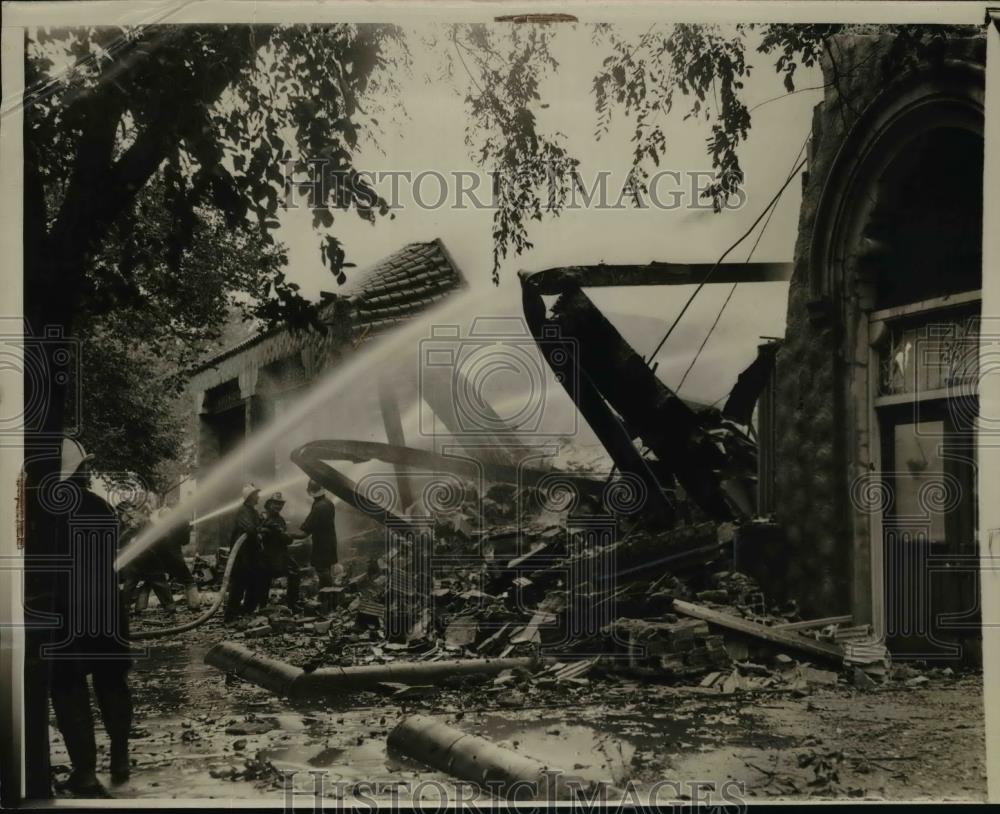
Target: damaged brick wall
[819,422]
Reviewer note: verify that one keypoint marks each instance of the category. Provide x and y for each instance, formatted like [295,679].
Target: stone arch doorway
[895,272]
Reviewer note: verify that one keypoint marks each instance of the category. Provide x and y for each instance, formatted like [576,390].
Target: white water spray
[233,505]
[342,400]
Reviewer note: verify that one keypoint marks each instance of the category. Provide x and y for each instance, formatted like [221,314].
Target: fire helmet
[73,457]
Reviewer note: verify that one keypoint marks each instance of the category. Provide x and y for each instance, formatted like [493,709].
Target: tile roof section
[380,296]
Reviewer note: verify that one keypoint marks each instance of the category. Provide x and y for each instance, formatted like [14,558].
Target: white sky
[432,138]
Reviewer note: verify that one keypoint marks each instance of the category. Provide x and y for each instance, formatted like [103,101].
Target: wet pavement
[201,734]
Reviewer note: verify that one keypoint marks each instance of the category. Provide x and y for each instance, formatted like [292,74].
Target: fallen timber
[622,399]
[810,624]
[555,280]
[617,393]
[788,640]
[293,682]
[311,458]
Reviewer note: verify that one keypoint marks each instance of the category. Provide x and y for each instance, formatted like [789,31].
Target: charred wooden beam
[785,639]
[556,280]
[668,426]
[312,459]
[622,398]
[562,350]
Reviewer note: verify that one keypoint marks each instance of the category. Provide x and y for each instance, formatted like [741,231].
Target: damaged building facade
[241,389]
[868,446]
[866,464]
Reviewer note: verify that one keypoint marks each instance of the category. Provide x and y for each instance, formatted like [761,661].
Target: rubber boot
[292,589]
[86,786]
[120,767]
[71,702]
[142,599]
[115,702]
[164,595]
[192,596]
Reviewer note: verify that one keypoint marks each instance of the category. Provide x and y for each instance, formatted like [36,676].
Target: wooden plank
[814,623]
[786,639]
[935,304]
[554,280]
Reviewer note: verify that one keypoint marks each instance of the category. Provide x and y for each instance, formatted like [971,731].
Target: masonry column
[205,537]
[989,398]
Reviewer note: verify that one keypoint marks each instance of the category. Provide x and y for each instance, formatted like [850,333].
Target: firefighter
[92,634]
[275,541]
[245,576]
[172,557]
[319,524]
[147,571]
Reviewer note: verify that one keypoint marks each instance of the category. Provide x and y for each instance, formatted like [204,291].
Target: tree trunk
[49,286]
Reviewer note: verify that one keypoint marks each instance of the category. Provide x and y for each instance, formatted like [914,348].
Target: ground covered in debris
[201,733]
[676,670]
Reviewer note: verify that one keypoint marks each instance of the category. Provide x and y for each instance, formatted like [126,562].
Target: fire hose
[216,604]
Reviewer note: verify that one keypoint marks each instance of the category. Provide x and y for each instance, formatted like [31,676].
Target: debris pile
[678,648]
[674,611]
[511,573]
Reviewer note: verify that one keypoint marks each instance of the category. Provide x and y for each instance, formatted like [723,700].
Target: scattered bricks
[282,624]
[674,664]
[812,676]
[659,603]
[461,632]
[697,657]
[750,668]
[531,560]
[678,649]
[330,598]
[355,583]
[731,683]
[496,642]
[322,628]
[716,647]
[370,614]
[862,680]
[686,630]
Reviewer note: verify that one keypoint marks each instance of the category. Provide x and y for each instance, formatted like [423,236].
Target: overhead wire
[769,211]
[724,255]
